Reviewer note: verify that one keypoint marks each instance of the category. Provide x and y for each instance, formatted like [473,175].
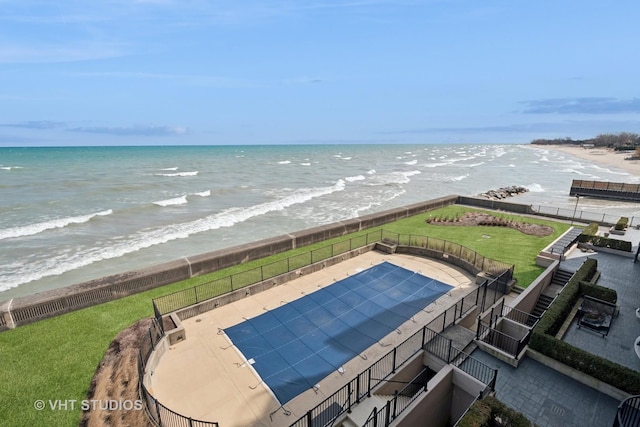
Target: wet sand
[603,156]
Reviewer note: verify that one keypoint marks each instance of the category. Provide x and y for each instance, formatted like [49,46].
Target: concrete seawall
[28,309]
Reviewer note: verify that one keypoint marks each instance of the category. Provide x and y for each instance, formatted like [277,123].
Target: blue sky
[177,72]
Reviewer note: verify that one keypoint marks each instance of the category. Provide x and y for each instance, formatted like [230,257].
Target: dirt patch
[114,386]
[479,218]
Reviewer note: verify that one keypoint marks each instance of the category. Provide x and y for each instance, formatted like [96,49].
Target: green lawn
[55,359]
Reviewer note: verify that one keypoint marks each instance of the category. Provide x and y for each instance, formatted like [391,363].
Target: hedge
[622,223]
[544,341]
[605,242]
[487,412]
[591,229]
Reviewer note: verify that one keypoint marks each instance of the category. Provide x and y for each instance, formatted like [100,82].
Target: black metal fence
[159,414]
[211,289]
[214,288]
[487,332]
[580,215]
[325,413]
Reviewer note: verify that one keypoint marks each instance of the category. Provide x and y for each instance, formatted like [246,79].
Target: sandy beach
[603,156]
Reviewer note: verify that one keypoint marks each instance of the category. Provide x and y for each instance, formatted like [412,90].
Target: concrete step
[362,411]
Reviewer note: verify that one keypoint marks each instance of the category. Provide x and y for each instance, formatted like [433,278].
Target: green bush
[599,292]
[591,229]
[622,223]
[605,242]
[486,412]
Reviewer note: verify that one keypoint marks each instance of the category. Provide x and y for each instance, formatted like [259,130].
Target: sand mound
[116,380]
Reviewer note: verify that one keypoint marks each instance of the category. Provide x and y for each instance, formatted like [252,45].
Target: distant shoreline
[601,155]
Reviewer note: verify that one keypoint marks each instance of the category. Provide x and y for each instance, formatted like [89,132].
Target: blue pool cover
[298,344]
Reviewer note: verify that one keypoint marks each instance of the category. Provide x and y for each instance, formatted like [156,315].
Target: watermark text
[87,405]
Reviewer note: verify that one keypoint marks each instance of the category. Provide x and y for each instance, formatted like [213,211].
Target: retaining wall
[28,309]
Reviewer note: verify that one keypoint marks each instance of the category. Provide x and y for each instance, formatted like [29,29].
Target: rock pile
[504,192]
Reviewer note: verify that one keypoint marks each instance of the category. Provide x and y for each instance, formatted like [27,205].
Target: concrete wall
[23,310]
[495,204]
[527,300]
[434,408]
[408,372]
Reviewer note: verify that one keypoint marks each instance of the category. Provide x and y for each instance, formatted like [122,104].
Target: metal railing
[211,289]
[628,413]
[159,414]
[487,332]
[400,401]
[214,288]
[361,386]
[581,216]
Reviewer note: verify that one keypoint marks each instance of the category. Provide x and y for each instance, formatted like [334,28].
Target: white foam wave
[345,158]
[203,193]
[411,162]
[171,202]
[473,165]
[459,178]
[175,168]
[305,164]
[609,170]
[31,229]
[120,246]
[392,178]
[535,188]
[577,172]
[8,168]
[284,162]
[194,173]
[354,178]
[371,172]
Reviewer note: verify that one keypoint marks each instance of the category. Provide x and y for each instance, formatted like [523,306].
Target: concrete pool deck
[206,378]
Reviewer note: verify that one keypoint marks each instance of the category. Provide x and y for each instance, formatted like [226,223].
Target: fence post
[387,415]
[394,359]
[157,410]
[395,404]
[358,388]
[349,391]
[369,383]
[309,419]
[449,352]
[424,336]
[444,321]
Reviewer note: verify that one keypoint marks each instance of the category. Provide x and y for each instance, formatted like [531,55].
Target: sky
[188,72]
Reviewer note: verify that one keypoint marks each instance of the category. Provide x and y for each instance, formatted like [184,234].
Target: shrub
[487,412]
[591,229]
[622,223]
[599,292]
[605,242]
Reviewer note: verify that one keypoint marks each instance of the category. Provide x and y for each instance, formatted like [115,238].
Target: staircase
[559,279]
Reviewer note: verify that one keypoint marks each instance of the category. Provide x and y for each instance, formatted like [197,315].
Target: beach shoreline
[603,156]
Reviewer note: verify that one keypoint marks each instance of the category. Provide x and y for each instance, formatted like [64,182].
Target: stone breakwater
[503,193]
